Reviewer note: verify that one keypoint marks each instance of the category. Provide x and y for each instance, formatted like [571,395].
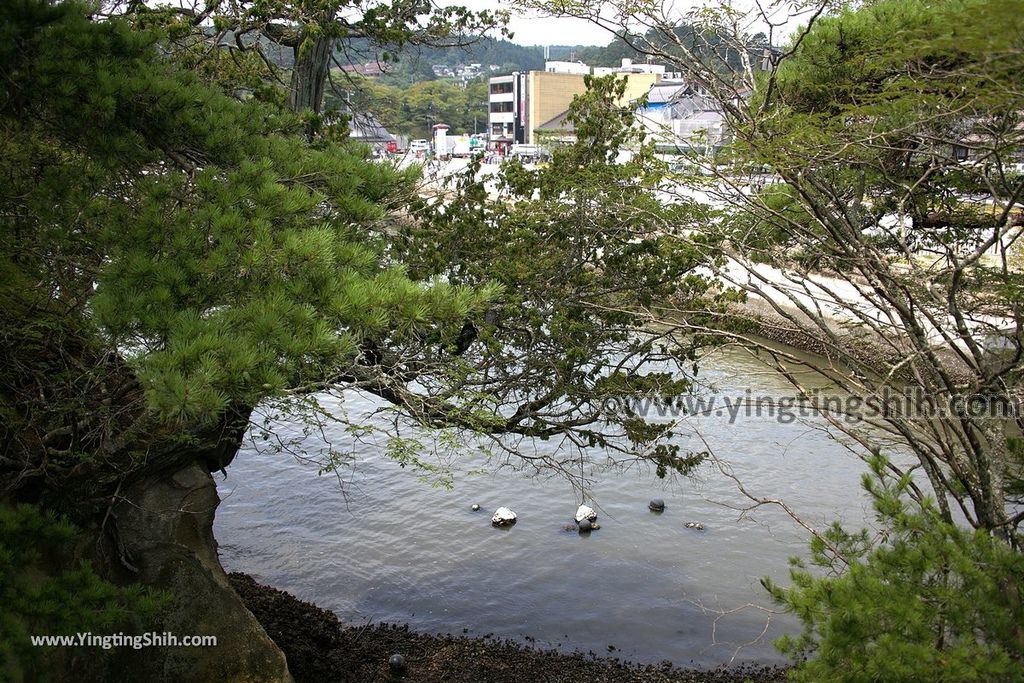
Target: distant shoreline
[319,648]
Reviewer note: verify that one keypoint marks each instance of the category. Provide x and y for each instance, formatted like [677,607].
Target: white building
[628,67]
[680,117]
[578,68]
[506,104]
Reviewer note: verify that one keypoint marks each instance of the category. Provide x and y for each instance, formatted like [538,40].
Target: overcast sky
[546,31]
[536,30]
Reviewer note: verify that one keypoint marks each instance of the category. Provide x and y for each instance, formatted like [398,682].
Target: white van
[419,146]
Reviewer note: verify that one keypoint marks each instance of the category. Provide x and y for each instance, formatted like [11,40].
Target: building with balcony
[517,101]
[506,104]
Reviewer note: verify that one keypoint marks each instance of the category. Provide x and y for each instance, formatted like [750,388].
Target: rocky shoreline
[319,648]
[859,344]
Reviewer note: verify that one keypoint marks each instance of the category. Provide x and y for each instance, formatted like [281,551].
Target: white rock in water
[583,512]
[503,517]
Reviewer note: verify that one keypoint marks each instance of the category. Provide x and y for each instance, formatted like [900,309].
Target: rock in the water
[474,507]
[585,512]
[594,526]
[396,663]
[503,517]
[656,505]
[694,525]
[584,525]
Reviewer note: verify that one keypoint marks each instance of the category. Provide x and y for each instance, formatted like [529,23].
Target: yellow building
[550,95]
[638,85]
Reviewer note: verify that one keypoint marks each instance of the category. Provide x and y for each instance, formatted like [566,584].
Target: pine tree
[169,257]
[928,601]
[172,256]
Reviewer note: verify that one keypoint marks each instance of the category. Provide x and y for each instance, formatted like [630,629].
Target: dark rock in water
[585,525]
[474,507]
[570,527]
[396,663]
[594,526]
[656,505]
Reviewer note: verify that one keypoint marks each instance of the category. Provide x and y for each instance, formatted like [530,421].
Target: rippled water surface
[391,548]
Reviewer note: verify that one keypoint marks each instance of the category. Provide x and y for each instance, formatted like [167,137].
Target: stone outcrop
[160,534]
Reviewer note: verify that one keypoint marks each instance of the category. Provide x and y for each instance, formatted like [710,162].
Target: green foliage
[227,258]
[928,601]
[785,229]
[413,109]
[314,31]
[37,600]
[180,256]
[862,57]
[486,51]
[584,251]
[872,93]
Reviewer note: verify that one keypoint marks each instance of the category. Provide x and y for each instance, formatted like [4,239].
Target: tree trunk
[993,461]
[160,534]
[309,75]
[141,495]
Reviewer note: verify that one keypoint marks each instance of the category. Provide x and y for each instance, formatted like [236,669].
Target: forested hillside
[705,44]
[412,110]
[419,59]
